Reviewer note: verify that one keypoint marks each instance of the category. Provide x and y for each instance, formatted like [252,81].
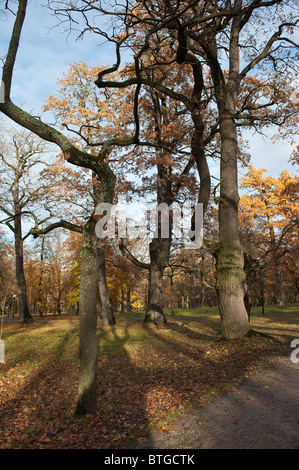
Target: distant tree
[7,278]
[269,214]
[22,157]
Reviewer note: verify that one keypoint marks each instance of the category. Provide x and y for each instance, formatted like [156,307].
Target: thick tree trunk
[154,312]
[87,396]
[230,276]
[159,256]
[24,313]
[107,307]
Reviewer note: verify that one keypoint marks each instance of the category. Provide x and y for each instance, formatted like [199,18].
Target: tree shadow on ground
[260,414]
[144,378]
[30,415]
[182,328]
[8,332]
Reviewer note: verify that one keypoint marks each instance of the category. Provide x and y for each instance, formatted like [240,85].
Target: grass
[147,376]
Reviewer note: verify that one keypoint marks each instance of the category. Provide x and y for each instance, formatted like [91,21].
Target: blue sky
[46,52]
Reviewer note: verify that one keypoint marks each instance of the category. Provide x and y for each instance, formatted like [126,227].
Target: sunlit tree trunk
[159,252]
[230,276]
[87,391]
[107,307]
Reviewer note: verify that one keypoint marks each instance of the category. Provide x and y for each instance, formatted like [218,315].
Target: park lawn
[147,376]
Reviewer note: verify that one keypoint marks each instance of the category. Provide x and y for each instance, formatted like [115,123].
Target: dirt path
[261,413]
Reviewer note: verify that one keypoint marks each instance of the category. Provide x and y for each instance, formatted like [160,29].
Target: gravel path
[261,413]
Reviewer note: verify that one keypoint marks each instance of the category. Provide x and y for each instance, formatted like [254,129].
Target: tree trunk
[128,306]
[193,291]
[5,304]
[24,313]
[248,304]
[159,255]
[280,285]
[230,276]
[154,312]
[279,293]
[87,396]
[40,293]
[203,280]
[262,292]
[171,295]
[58,303]
[107,308]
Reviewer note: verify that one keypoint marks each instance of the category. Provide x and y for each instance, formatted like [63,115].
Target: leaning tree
[99,166]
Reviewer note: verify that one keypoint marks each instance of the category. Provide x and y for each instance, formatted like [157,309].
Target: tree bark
[230,276]
[40,293]
[279,292]
[154,312]
[87,390]
[128,302]
[108,318]
[171,295]
[24,313]
[262,292]
[159,255]
[280,285]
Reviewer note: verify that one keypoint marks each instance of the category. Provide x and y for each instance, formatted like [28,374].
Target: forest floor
[176,386]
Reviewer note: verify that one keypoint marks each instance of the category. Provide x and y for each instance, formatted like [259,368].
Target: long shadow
[8,334]
[289,331]
[40,415]
[177,346]
[261,414]
[121,403]
[188,332]
[211,370]
[31,413]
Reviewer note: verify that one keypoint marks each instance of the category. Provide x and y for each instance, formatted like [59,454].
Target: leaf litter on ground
[147,377]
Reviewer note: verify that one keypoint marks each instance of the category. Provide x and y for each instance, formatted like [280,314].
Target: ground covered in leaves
[146,376]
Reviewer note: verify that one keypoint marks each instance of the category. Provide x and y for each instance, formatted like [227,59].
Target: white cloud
[44,53]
